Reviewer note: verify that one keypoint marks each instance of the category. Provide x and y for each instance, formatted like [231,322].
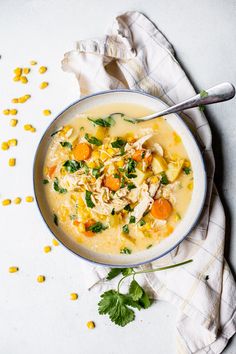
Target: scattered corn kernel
[13,112]
[17,200]
[91,164]
[55,242]
[47,112]
[47,249]
[42,69]
[16,78]
[80,202]
[27,96]
[6,112]
[5,146]
[186,163]
[13,269]
[90,325]
[14,100]
[13,122]
[12,142]
[33,130]
[6,202]
[110,151]
[29,199]
[73,296]
[18,71]
[177,217]
[12,162]
[40,278]
[27,126]
[177,138]
[23,79]
[26,71]
[95,154]
[43,85]
[33,62]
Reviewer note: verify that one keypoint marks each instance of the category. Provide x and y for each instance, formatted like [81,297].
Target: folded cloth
[134,54]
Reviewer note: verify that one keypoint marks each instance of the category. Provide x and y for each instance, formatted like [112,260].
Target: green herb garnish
[125,229]
[132,219]
[88,199]
[187,170]
[45,181]
[103,122]
[72,166]
[130,175]
[203,94]
[55,219]
[120,307]
[149,246]
[97,227]
[96,172]
[128,208]
[93,140]
[164,179]
[131,186]
[113,211]
[66,144]
[131,165]
[118,143]
[57,187]
[142,222]
[116,175]
[125,250]
[130,120]
[122,185]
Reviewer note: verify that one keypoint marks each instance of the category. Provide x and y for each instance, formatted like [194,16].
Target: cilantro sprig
[120,307]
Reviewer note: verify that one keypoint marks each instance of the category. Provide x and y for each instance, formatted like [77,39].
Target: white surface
[38,318]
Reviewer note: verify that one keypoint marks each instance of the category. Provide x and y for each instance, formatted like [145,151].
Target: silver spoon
[218,93]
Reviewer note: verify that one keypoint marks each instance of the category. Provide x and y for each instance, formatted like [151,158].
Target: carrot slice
[161,209]
[138,156]
[82,151]
[89,233]
[113,183]
[51,170]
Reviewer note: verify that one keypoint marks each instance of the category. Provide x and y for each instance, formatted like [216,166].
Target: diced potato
[114,220]
[159,164]
[101,132]
[141,176]
[174,169]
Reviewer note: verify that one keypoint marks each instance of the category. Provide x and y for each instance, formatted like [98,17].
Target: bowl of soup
[116,192]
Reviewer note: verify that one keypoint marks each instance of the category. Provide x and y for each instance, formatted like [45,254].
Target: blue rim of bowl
[190,228]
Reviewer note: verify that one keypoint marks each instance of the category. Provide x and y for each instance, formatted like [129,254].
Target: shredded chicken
[139,143]
[144,204]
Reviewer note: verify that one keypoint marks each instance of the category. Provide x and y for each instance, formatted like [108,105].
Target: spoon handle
[218,93]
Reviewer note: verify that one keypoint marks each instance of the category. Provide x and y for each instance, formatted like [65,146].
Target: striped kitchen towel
[134,54]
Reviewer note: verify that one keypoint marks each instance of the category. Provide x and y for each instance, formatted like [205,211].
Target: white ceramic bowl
[198,196]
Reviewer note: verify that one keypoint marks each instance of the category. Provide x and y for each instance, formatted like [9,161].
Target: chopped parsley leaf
[125,250]
[130,175]
[131,186]
[128,208]
[55,219]
[97,227]
[113,211]
[118,143]
[164,179]
[103,122]
[187,170]
[93,140]
[125,229]
[131,165]
[45,181]
[66,144]
[132,219]
[88,199]
[72,166]
[142,222]
[57,188]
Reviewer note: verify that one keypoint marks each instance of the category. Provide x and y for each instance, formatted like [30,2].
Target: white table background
[40,318]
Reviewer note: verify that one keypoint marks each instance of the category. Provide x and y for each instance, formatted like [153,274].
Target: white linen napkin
[134,54]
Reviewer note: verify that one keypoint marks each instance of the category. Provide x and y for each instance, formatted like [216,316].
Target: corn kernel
[120,163]
[14,100]
[40,278]
[6,202]
[6,112]
[177,217]
[13,269]
[186,163]
[27,96]
[46,112]
[18,71]
[23,79]
[148,226]
[5,146]
[13,122]
[177,138]
[55,242]
[13,112]
[80,202]
[43,85]
[12,162]
[42,69]
[95,155]
[16,78]
[104,156]
[33,62]
[91,164]
[90,325]
[73,296]
[33,130]
[81,227]
[29,199]
[110,151]
[12,142]
[27,126]
[26,71]
[47,249]
[190,186]
[17,200]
